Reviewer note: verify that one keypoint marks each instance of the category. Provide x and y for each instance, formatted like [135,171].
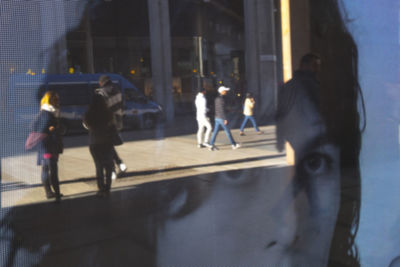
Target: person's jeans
[220,122]
[50,175]
[253,121]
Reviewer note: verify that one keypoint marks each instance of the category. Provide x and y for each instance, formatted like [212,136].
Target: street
[148,157]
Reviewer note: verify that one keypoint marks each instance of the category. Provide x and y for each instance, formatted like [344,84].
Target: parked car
[76,91]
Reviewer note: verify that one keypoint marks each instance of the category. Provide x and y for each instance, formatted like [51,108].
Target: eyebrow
[317,141]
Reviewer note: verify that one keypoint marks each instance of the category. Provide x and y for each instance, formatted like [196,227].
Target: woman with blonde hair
[50,146]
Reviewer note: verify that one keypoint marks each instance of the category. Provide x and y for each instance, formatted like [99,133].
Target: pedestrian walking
[221,119]
[113,97]
[99,120]
[248,114]
[50,145]
[203,121]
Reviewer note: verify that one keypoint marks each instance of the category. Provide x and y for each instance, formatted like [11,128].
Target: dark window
[72,94]
[134,95]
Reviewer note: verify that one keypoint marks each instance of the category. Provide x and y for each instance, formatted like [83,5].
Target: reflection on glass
[301,215]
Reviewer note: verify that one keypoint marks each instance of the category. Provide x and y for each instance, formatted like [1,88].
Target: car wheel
[148,121]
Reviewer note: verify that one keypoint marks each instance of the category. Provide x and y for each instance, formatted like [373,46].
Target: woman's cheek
[328,195]
[317,226]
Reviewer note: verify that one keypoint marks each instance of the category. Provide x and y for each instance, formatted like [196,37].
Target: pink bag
[34,138]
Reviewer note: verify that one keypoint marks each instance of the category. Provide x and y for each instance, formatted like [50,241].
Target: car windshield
[72,94]
[134,95]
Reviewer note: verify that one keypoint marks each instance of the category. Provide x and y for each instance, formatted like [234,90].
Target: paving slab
[153,159]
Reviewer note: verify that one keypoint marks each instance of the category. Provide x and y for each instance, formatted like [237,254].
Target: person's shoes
[113,175]
[200,146]
[213,148]
[122,167]
[242,134]
[50,195]
[260,132]
[207,145]
[235,146]
[58,197]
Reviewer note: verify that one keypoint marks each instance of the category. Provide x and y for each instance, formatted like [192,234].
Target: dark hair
[336,96]
[98,116]
[249,95]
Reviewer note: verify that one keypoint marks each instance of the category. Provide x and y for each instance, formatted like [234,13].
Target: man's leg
[118,161]
[116,158]
[243,123]
[107,166]
[99,167]
[108,171]
[228,133]
[200,130]
[215,132]
[253,121]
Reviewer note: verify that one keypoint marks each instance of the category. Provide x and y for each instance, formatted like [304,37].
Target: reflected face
[265,217]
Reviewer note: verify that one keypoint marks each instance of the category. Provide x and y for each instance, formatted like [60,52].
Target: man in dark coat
[113,96]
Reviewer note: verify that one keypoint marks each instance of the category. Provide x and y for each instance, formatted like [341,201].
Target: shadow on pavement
[182,125]
[132,174]
[91,231]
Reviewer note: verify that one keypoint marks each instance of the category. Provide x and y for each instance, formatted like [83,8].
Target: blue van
[75,91]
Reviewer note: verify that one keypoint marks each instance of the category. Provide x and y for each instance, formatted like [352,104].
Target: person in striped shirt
[113,96]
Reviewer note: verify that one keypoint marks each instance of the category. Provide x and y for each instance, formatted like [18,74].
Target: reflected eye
[316,164]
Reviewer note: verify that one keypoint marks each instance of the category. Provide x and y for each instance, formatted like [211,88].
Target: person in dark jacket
[51,145]
[221,119]
[113,97]
[100,123]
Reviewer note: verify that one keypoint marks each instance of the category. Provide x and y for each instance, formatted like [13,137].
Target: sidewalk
[149,157]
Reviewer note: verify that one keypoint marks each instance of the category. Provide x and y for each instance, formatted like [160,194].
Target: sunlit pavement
[147,157]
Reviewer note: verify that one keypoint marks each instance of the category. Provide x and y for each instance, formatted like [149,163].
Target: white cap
[223,88]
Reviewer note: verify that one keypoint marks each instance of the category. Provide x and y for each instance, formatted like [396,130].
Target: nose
[276,206]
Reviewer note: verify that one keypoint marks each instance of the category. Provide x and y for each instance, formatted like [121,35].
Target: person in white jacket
[203,121]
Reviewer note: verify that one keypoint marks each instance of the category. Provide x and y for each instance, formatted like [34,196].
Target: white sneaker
[236,146]
[122,167]
[207,145]
[113,175]
[200,146]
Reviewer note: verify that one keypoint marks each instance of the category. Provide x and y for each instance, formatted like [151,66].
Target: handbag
[34,138]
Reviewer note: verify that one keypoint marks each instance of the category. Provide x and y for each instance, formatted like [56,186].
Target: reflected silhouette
[133,174]
[118,231]
[305,215]
[330,106]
